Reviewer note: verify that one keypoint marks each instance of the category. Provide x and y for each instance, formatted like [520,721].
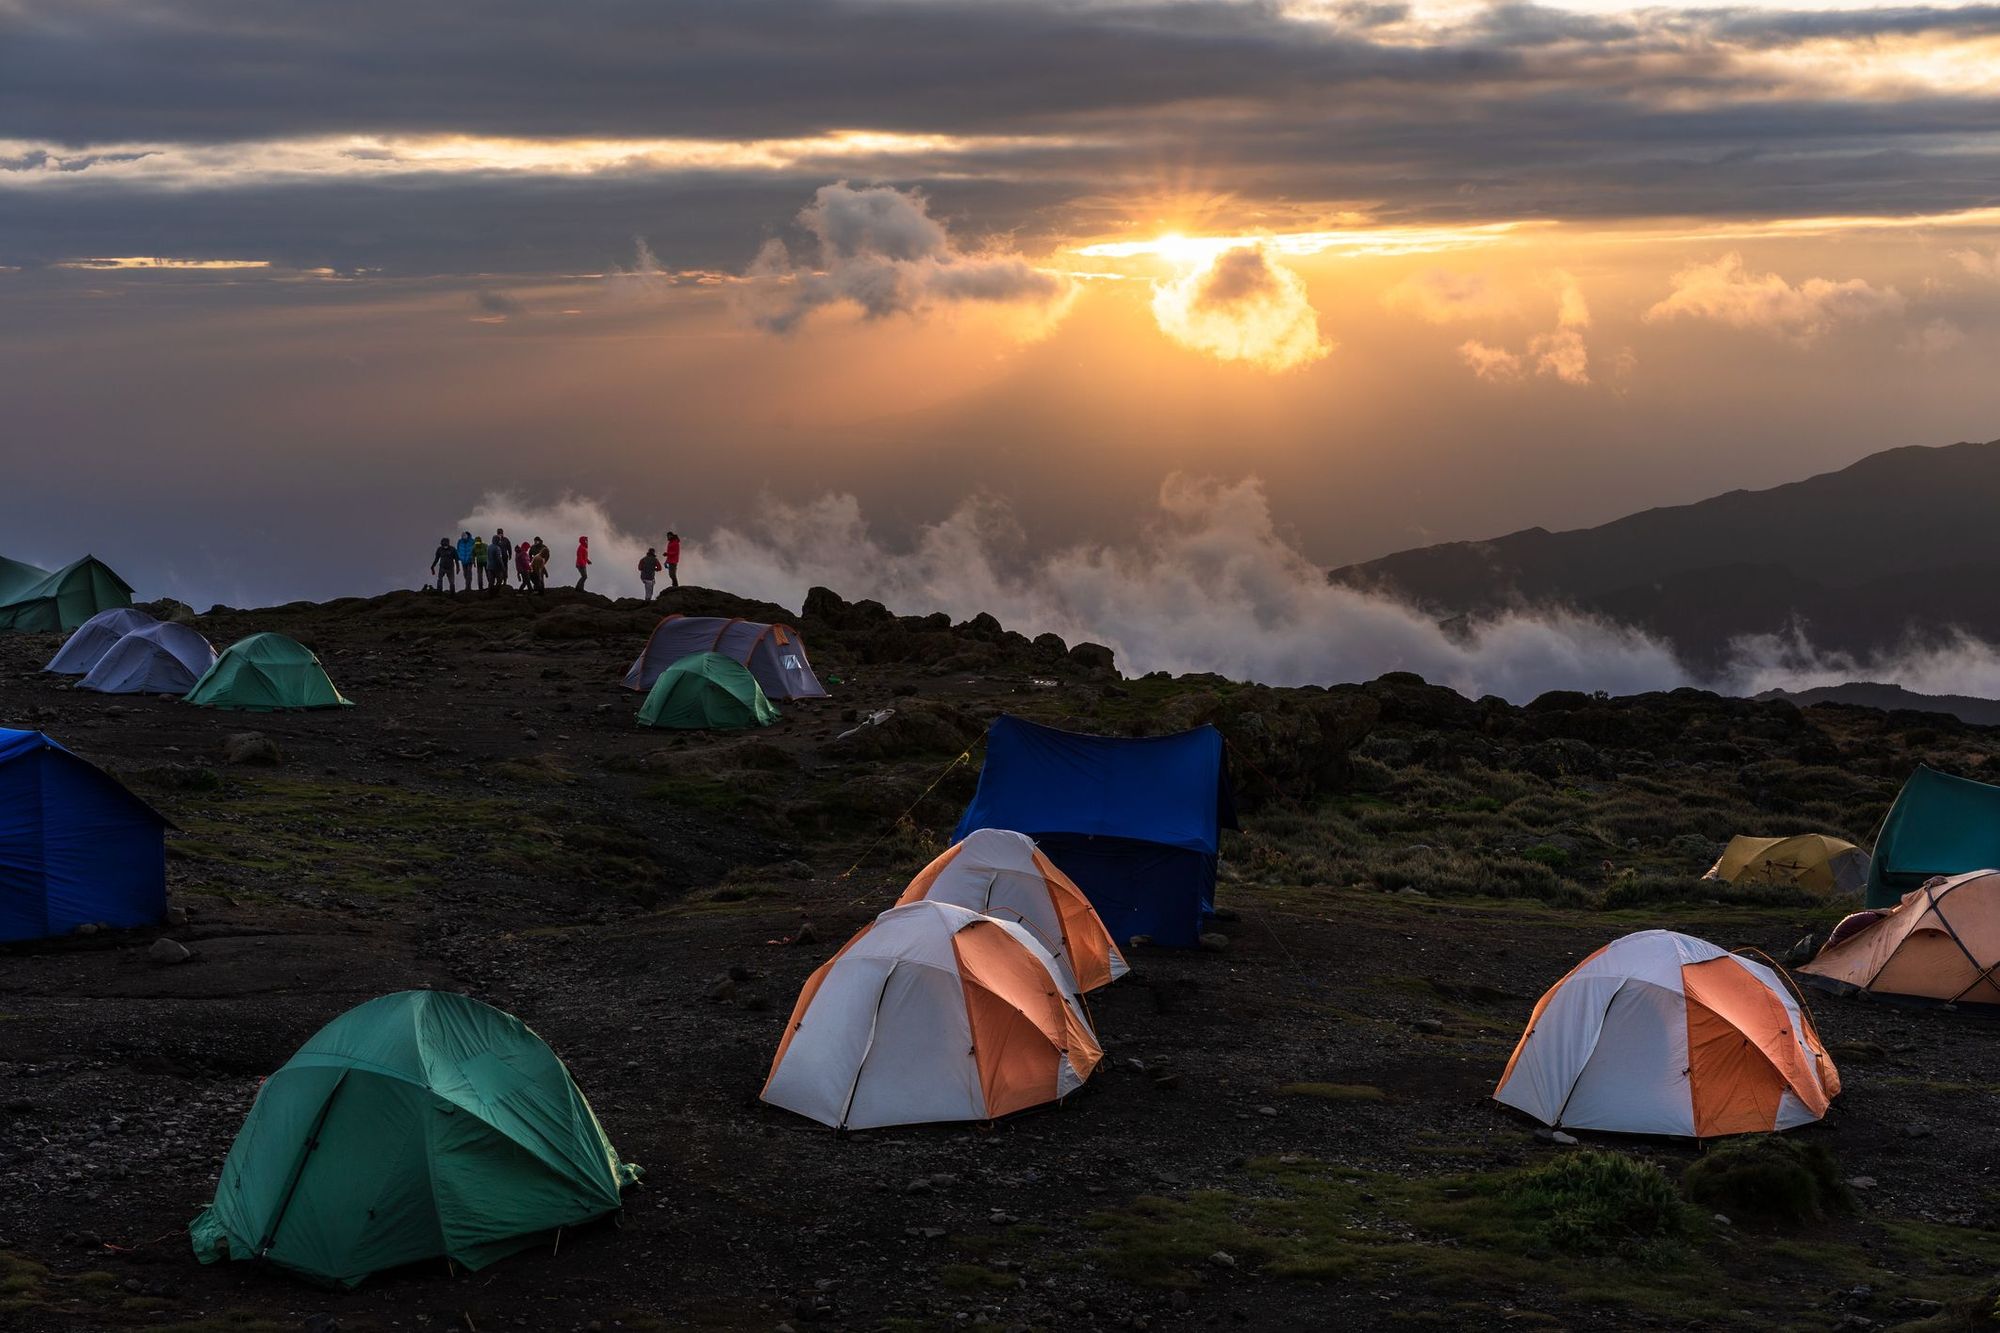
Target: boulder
[166,953]
[1093,657]
[251,747]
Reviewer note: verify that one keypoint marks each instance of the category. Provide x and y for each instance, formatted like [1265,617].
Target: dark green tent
[707,690]
[266,672]
[18,575]
[414,1126]
[57,603]
[1939,825]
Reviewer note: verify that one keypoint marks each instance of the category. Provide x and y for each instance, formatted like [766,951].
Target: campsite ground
[1292,1131]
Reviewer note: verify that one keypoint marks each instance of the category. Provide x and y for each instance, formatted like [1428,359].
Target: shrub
[1770,1178]
[1600,1203]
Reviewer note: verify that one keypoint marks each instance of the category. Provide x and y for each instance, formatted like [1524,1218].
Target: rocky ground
[1291,1130]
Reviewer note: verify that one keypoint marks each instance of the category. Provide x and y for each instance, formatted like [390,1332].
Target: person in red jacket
[673,560]
[524,555]
[582,561]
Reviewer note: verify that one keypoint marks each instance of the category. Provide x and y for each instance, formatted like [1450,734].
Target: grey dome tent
[93,639]
[775,654]
[162,658]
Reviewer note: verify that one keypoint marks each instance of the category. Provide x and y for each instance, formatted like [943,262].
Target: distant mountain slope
[1889,698]
[1903,541]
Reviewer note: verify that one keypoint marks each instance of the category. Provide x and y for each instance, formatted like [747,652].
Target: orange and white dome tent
[1941,942]
[1000,872]
[1662,1033]
[932,1012]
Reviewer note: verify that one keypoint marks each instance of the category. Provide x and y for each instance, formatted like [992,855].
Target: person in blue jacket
[465,557]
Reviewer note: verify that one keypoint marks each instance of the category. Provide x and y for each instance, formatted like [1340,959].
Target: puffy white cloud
[879,251]
[1983,264]
[1562,353]
[1728,293]
[1933,338]
[1495,365]
[1242,305]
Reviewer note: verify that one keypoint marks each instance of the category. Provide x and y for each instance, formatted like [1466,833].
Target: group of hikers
[486,561]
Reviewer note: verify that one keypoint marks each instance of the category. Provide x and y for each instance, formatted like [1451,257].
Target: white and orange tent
[932,1012]
[1662,1033]
[1941,942]
[1000,872]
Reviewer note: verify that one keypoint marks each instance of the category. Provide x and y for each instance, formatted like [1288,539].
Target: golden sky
[1430,271]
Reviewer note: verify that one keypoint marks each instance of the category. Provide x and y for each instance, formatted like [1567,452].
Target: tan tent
[1809,861]
[1942,942]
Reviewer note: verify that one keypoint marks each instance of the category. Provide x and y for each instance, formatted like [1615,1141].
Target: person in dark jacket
[444,564]
[674,559]
[538,564]
[649,565]
[499,554]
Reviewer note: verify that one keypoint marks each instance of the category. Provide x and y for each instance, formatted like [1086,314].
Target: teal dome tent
[417,1125]
[264,673]
[707,691]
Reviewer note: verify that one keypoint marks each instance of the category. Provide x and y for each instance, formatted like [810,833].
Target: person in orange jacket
[582,561]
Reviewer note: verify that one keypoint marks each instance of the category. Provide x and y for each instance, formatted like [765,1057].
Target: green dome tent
[266,672]
[57,603]
[707,690]
[417,1125]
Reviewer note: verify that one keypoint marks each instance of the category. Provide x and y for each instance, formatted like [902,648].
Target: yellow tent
[1809,860]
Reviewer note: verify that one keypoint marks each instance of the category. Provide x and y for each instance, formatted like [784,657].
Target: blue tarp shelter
[75,845]
[1939,825]
[1136,822]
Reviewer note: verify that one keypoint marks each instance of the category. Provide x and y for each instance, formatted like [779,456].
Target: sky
[288,292]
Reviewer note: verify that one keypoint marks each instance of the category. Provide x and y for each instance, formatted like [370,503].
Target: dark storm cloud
[1520,111]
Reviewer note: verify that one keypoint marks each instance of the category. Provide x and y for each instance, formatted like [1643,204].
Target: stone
[1861,1182]
[86,929]
[1433,1026]
[1214,941]
[1222,1259]
[722,988]
[321,1323]
[251,747]
[806,934]
[1267,1110]
[166,953]
[1093,657]
[177,916]
[1916,1130]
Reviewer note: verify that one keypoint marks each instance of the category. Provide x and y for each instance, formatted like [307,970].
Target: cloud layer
[1727,292]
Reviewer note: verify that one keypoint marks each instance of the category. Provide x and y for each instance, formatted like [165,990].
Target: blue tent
[1135,822]
[75,846]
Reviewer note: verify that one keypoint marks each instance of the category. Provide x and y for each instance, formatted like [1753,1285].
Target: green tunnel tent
[418,1125]
[707,691]
[264,673]
[60,602]
[18,575]
[1939,825]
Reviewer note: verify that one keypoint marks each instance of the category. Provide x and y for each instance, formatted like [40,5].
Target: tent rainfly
[93,639]
[1136,823]
[775,654]
[932,1013]
[1811,861]
[1939,825]
[1000,873]
[415,1125]
[64,600]
[1941,942]
[75,846]
[161,658]
[1662,1033]
[264,673]
[707,692]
